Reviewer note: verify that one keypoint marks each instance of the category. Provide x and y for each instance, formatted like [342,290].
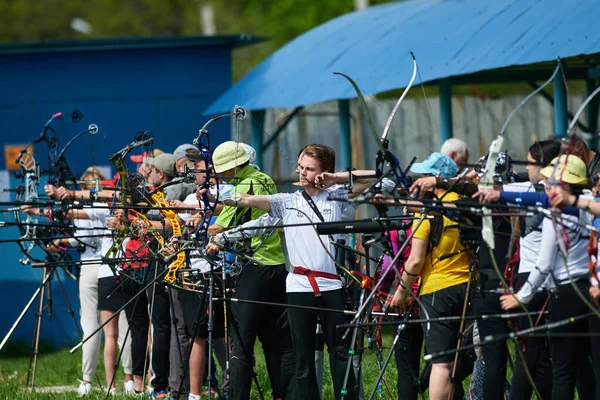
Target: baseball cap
[574,172]
[194,155]
[163,162]
[181,150]
[228,155]
[437,164]
[140,157]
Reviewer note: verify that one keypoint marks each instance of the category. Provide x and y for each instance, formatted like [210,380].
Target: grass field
[60,368]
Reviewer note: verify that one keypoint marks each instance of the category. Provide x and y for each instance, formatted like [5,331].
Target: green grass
[60,368]
[54,368]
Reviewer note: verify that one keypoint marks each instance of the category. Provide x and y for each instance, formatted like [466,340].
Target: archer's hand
[400,299]
[194,220]
[423,185]
[509,301]
[119,213]
[31,210]
[204,191]
[50,190]
[486,196]
[325,180]
[54,246]
[64,194]
[212,247]
[176,204]
[171,248]
[595,294]
[113,222]
[559,197]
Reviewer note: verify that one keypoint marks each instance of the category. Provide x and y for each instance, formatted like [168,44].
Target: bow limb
[203,143]
[365,108]
[175,266]
[404,93]
[487,180]
[29,171]
[92,129]
[528,97]
[210,178]
[384,155]
[581,108]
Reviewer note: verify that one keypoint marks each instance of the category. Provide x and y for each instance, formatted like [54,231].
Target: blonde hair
[89,177]
[155,152]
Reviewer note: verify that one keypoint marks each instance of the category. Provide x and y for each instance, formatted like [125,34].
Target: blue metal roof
[448,38]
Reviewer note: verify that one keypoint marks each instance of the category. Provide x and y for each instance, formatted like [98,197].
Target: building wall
[415,130]
[122,91]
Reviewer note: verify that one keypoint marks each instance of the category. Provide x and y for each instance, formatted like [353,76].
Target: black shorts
[442,336]
[190,305]
[111,296]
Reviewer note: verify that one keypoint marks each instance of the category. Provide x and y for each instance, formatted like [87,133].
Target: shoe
[161,394]
[128,388]
[211,394]
[84,388]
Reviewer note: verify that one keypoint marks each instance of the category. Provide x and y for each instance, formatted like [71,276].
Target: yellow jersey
[435,274]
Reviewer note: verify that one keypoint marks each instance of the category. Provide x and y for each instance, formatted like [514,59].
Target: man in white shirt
[314,281]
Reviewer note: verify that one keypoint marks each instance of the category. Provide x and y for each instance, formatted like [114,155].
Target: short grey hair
[454,145]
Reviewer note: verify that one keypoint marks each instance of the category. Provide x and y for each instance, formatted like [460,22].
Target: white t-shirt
[550,264]
[530,243]
[302,242]
[93,248]
[196,262]
[98,217]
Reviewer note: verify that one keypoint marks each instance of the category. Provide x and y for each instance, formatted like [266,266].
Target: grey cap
[181,150]
[163,162]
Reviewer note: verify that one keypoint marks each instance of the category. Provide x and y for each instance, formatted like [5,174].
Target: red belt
[311,275]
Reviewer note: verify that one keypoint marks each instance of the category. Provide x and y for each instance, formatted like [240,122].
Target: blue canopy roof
[448,38]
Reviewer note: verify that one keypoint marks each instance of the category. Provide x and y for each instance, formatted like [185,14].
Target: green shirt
[250,180]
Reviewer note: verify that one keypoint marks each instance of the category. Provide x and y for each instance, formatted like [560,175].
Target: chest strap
[311,275]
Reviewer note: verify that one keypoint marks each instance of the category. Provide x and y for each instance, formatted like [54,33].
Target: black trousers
[303,324]
[137,315]
[408,359]
[594,326]
[537,353]
[160,309]
[268,323]
[495,354]
[570,355]
[180,348]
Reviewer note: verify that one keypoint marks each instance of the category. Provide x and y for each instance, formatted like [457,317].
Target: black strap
[312,205]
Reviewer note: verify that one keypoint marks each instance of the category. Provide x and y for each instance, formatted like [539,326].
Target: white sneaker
[84,388]
[129,388]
